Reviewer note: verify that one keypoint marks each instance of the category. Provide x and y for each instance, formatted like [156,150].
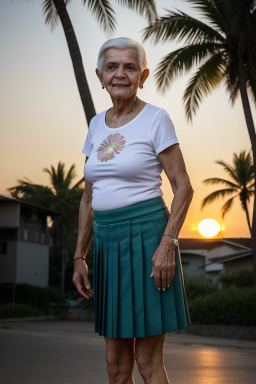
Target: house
[239,258]
[24,242]
[212,258]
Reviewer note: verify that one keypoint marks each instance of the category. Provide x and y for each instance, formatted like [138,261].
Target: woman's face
[121,74]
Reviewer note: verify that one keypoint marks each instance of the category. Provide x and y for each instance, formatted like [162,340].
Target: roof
[224,259]
[47,211]
[242,243]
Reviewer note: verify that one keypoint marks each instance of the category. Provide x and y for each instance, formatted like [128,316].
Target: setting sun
[208,227]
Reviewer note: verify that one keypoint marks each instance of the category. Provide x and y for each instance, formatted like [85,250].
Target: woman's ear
[144,76]
[99,75]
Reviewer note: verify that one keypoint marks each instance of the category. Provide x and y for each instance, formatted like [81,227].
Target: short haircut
[122,43]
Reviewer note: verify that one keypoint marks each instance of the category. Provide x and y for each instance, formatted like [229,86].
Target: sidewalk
[68,327]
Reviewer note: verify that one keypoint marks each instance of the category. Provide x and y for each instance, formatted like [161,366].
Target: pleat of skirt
[127,303]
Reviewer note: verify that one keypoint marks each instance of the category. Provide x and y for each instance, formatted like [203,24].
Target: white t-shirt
[123,165]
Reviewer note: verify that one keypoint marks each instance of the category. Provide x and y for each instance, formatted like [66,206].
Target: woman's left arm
[163,261]
[173,164]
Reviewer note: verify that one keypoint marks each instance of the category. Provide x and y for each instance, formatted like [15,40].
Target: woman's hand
[163,265]
[81,280]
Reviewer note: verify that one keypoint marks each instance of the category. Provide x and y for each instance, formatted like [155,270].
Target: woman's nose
[120,73]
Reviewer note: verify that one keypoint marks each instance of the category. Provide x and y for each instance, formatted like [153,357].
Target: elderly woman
[138,285]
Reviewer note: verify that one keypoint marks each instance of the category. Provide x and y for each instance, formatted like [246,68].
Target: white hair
[122,43]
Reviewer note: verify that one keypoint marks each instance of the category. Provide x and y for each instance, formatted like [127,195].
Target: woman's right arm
[85,235]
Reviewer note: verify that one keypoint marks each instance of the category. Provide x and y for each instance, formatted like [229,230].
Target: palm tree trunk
[76,58]
[252,135]
[248,218]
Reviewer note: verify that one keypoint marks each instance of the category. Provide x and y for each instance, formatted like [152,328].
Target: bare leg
[120,359]
[149,358]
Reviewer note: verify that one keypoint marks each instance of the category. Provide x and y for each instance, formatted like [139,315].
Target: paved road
[68,352]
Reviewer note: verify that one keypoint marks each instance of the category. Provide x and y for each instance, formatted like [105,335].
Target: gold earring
[141,86]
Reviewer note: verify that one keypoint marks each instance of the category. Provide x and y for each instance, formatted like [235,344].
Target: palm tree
[225,50]
[105,15]
[60,196]
[241,184]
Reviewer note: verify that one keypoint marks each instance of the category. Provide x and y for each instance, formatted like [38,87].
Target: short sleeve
[162,132]
[87,148]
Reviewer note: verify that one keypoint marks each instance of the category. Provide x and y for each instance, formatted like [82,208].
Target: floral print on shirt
[110,147]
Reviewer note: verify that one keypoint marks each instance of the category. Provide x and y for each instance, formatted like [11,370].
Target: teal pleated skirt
[126,300]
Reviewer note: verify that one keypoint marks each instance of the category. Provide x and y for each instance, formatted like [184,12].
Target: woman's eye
[110,67]
[130,68]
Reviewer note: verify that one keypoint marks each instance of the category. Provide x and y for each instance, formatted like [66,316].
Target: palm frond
[33,193]
[216,194]
[253,6]
[50,12]
[232,81]
[231,71]
[252,185]
[207,78]
[242,173]
[57,176]
[250,70]
[236,14]
[182,61]
[104,14]
[216,180]
[243,163]
[227,206]
[147,7]
[229,169]
[252,85]
[211,11]
[77,185]
[70,176]
[179,26]
[53,176]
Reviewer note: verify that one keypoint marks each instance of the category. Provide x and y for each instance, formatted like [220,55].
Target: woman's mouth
[120,85]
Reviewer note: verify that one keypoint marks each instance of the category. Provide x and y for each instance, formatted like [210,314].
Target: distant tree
[61,196]
[241,186]
[224,47]
[105,15]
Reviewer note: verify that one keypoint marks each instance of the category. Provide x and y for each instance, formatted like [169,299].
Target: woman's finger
[173,269]
[163,280]
[169,277]
[157,279]
[82,283]
[86,281]
[81,289]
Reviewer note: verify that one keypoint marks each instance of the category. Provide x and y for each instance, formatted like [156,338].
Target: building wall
[9,215]
[32,263]
[8,264]
[191,265]
[222,250]
[238,265]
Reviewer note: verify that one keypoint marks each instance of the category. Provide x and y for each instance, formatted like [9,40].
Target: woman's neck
[123,107]
[123,115]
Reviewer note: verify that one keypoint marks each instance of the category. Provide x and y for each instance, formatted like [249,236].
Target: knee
[113,363]
[145,367]
[116,365]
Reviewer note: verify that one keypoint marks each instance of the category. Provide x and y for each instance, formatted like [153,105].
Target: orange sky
[42,120]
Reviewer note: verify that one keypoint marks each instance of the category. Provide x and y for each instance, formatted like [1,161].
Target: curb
[19,319]
[228,331]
